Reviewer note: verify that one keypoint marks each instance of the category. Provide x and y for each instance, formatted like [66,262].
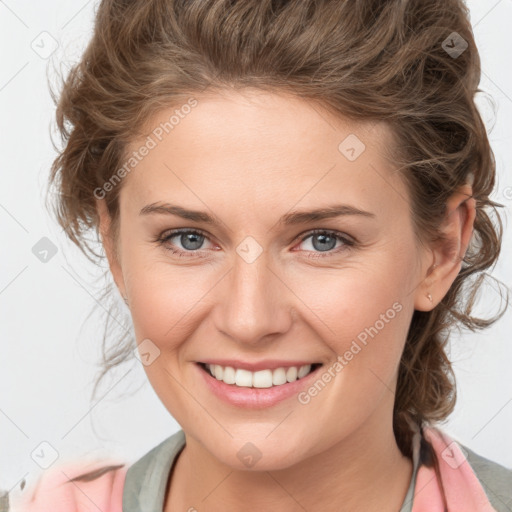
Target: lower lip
[255,398]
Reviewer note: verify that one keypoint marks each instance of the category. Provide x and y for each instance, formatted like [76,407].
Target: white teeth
[259,379]
[229,376]
[291,374]
[303,371]
[243,378]
[218,372]
[262,379]
[278,376]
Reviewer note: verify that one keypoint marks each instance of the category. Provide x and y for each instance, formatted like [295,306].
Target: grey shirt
[146,480]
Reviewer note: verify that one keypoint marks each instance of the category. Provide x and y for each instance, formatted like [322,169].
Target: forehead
[263,149]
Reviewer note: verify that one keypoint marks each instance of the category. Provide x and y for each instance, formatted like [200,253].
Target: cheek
[164,310]
[162,294]
[364,319]
[361,311]
[163,300]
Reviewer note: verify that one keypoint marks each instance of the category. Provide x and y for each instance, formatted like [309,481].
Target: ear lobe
[448,252]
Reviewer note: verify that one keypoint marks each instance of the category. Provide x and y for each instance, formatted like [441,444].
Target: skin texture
[249,158]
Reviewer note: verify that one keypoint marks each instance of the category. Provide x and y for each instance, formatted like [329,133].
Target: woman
[293,198]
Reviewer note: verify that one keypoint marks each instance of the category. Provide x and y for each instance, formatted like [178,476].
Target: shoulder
[146,479]
[161,454]
[494,478]
[73,486]
[76,485]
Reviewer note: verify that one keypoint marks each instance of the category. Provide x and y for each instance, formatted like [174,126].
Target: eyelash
[349,243]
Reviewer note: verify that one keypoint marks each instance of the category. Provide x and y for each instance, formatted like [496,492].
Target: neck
[364,472]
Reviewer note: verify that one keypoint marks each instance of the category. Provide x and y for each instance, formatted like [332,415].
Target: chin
[260,454]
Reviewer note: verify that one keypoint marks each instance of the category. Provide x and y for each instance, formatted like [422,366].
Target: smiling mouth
[239,377]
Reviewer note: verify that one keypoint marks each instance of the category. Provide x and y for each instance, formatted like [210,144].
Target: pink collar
[461,485]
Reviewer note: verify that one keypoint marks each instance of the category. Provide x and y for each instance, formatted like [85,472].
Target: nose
[254,304]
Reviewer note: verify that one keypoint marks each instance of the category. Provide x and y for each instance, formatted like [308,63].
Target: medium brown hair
[366,60]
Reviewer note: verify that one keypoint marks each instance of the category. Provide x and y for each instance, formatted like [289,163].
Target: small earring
[125,300]
[429,297]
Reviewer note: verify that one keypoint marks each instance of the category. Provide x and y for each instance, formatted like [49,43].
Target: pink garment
[461,486]
[56,493]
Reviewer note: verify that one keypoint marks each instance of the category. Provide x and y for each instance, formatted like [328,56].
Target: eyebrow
[292,218]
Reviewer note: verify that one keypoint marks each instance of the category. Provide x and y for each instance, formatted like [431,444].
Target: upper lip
[265,364]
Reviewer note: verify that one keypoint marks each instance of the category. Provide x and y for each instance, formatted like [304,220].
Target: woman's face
[257,285]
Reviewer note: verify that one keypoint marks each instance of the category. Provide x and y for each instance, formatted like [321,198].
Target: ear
[109,244]
[448,253]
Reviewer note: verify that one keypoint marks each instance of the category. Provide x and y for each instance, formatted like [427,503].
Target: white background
[49,348]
